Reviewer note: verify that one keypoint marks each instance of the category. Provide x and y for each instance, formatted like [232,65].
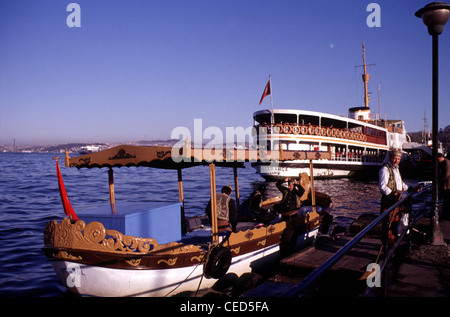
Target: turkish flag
[64,198]
[266,92]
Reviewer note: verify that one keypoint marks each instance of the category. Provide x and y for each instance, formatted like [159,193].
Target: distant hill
[75,147]
[443,136]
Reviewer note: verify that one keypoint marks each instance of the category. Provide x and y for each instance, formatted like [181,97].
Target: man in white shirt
[391,187]
[390,181]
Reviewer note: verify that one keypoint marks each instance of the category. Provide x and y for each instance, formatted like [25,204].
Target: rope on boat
[187,277]
[205,256]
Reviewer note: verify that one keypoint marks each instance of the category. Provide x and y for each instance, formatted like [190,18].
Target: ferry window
[304,119]
[354,127]
[338,124]
[262,118]
[285,118]
[289,145]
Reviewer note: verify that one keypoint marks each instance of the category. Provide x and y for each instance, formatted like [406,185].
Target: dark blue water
[29,197]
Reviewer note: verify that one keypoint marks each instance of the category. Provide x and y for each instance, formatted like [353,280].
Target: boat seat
[200,237]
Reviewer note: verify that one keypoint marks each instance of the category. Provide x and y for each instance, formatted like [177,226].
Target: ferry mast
[365,78]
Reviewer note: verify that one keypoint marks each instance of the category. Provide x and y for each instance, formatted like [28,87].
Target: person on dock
[226,210]
[290,203]
[391,187]
[444,184]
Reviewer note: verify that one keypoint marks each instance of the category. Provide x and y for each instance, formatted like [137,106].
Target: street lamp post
[434,16]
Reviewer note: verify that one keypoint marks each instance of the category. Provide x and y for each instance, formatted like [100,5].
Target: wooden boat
[147,249]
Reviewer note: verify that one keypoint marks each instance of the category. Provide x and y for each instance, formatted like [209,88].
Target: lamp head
[434,15]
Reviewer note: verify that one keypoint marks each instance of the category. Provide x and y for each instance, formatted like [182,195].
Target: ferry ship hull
[322,170]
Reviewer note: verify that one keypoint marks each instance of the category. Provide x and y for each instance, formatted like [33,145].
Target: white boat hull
[89,280]
[322,170]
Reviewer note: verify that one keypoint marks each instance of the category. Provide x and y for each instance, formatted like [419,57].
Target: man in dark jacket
[290,203]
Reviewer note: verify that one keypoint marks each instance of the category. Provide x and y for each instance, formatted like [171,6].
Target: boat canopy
[183,157]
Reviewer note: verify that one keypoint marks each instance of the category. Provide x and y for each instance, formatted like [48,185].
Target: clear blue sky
[136,69]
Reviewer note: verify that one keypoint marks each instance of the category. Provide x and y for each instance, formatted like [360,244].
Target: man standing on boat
[290,203]
[391,187]
[226,210]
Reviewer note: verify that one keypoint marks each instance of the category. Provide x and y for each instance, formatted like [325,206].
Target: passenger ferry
[358,143]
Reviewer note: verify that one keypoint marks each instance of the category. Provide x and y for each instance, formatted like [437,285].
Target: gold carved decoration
[198,258]
[255,234]
[66,256]
[262,242]
[134,262]
[249,234]
[168,262]
[236,250]
[94,236]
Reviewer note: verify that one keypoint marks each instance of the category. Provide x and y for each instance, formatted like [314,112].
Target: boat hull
[91,280]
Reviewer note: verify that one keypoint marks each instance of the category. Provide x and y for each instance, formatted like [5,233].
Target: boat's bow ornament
[94,237]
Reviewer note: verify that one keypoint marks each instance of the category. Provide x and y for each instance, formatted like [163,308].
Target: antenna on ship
[365,78]
[363,113]
[379,104]
[424,134]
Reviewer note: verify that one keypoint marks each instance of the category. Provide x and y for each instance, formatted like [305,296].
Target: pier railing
[301,288]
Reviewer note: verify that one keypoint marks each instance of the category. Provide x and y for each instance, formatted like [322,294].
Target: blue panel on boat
[158,220]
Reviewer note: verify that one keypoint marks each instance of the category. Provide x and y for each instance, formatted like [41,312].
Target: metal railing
[301,288]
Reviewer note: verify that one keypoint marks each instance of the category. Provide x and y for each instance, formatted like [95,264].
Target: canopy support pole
[214,227]
[181,195]
[313,192]
[236,185]
[112,198]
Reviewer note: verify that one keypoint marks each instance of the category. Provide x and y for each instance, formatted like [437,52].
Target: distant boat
[359,143]
[88,149]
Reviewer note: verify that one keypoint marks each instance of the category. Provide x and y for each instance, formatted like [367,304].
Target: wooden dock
[357,259]
[345,278]
[422,271]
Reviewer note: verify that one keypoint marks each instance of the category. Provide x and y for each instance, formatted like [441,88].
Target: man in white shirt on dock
[391,187]
[390,181]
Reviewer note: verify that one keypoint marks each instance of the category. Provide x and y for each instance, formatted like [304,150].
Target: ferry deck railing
[301,288]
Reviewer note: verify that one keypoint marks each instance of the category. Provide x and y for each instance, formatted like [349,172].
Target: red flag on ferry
[266,91]
[64,198]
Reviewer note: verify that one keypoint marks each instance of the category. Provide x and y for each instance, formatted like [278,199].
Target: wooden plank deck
[424,271]
[345,278]
[356,259]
